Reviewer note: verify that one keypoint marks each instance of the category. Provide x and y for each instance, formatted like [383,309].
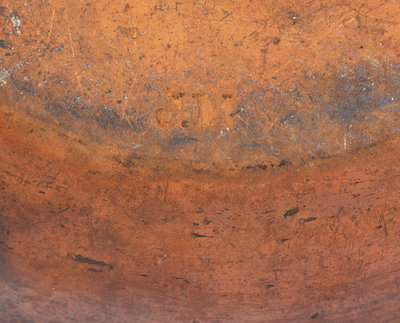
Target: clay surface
[199,161]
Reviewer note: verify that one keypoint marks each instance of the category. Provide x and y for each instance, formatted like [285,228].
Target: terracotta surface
[205,161]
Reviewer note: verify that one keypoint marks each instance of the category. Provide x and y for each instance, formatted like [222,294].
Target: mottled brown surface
[223,82]
[199,161]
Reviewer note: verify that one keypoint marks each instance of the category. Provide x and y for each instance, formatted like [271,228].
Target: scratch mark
[63,210]
[51,26]
[166,190]
[70,43]
[73,55]
[226,16]
[382,216]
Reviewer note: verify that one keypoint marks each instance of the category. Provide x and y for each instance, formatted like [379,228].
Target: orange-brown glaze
[79,224]
[229,83]
[199,161]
